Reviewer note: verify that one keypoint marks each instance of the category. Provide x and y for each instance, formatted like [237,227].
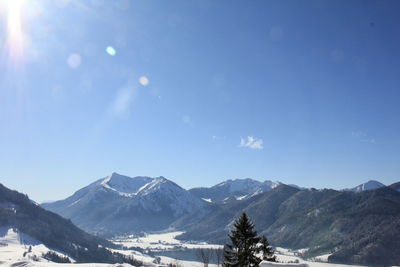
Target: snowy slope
[370,185]
[236,189]
[125,185]
[16,246]
[120,204]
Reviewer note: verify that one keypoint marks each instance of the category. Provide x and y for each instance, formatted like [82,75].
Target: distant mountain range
[237,189]
[352,224]
[28,220]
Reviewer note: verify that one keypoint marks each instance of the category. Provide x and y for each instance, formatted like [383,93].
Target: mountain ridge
[369,185]
[325,220]
[238,189]
[17,211]
[353,227]
[119,204]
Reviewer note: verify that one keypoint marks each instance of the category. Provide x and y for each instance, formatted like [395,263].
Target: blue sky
[304,92]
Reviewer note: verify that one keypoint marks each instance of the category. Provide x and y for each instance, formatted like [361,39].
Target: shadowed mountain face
[119,204]
[360,228]
[396,186]
[17,211]
[237,189]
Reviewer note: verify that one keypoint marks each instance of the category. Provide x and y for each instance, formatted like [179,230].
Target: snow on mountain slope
[124,184]
[162,190]
[370,185]
[121,204]
[236,189]
[16,246]
[242,185]
[157,185]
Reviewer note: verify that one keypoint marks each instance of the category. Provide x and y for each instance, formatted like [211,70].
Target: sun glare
[12,11]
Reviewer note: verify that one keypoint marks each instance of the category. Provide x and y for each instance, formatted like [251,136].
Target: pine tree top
[246,245]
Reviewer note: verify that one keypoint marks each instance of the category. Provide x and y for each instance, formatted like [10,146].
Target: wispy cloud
[251,142]
[363,137]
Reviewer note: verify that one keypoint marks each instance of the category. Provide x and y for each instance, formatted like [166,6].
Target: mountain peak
[129,202]
[237,189]
[124,184]
[369,185]
[373,182]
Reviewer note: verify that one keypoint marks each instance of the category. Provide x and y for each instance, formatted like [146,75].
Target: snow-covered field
[20,250]
[163,241]
[286,256]
[167,241]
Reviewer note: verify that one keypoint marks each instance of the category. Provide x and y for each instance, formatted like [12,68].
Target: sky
[198,91]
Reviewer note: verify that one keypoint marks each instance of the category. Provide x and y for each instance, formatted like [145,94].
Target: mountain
[119,204]
[22,220]
[370,185]
[396,186]
[237,189]
[216,225]
[356,228]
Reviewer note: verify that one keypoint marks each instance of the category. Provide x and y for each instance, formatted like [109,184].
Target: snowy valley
[18,249]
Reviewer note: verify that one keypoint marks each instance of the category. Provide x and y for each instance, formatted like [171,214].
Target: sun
[11,11]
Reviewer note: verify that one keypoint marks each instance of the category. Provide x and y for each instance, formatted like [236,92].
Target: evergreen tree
[266,249]
[244,245]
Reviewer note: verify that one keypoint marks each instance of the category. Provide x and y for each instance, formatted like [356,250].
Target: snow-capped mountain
[124,185]
[237,189]
[370,185]
[120,204]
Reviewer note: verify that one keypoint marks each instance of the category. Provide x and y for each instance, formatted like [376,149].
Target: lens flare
[111,51]
[12,10]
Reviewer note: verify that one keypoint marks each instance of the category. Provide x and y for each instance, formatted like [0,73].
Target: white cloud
[251,142]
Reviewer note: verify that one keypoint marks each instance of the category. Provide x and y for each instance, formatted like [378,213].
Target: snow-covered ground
[162,241]
[20,250]
[286,256]
[167,260]
[167,241]
[14,247]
